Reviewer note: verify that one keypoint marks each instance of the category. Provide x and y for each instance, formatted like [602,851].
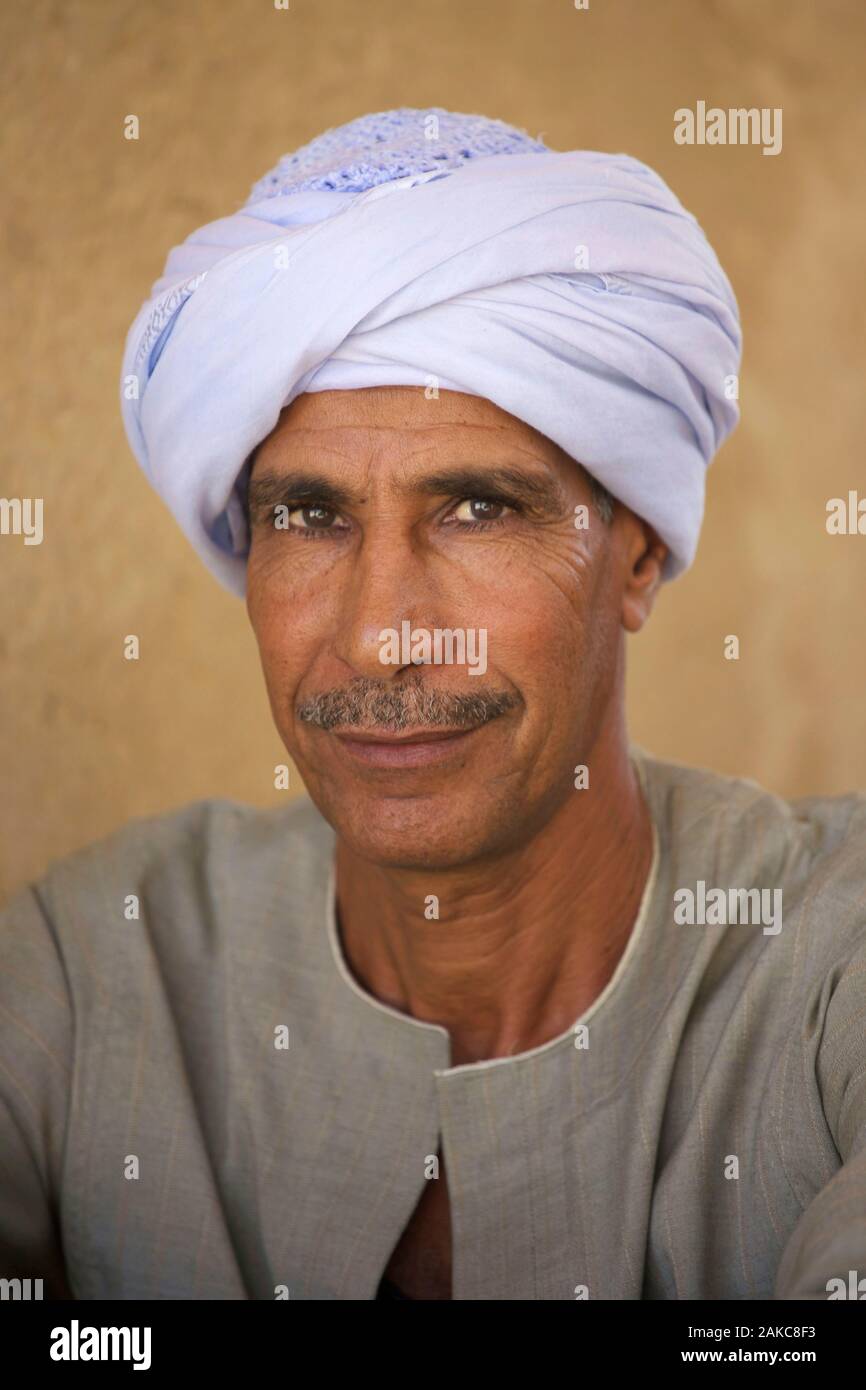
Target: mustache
[372,704]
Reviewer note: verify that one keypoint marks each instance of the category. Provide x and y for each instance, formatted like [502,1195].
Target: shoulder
[747,823]
[190,874]
[202,834]
[736,834]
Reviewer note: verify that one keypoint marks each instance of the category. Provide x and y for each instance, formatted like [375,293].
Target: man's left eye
[480,509]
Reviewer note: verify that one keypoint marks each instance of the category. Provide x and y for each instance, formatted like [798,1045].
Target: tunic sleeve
[826,1251]
[36,1059]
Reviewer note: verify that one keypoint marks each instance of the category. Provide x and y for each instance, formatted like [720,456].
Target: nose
[390,584]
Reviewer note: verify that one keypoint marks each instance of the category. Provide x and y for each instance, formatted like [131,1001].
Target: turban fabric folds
[570,288]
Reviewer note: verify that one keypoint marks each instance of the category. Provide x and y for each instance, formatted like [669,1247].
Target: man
[507,1009]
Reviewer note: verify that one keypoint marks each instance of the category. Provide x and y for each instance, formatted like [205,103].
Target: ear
[644,557]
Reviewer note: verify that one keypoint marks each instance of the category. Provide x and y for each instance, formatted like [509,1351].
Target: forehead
[401,423]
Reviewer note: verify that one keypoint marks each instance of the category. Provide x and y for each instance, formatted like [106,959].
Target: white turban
[431,248]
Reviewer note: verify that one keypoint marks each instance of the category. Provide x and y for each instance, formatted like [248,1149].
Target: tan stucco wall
[88,740]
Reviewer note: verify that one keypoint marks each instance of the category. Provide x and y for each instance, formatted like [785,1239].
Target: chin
[421,833]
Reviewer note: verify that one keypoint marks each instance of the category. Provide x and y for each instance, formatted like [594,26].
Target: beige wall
[221,90]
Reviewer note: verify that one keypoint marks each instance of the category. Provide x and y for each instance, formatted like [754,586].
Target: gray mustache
[371,704]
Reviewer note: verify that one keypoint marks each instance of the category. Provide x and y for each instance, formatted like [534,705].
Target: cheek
[288,619]
[539,627]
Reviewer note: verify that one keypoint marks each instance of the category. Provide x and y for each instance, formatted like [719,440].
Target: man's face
[447,515]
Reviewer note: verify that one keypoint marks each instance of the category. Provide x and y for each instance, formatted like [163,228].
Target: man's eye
[314,517]
[480,509]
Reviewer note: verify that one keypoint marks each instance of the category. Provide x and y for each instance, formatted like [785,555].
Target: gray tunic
[704,1136]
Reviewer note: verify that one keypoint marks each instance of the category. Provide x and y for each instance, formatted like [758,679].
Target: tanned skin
[450,513]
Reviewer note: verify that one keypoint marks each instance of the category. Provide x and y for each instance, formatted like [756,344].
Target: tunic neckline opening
[420,1027]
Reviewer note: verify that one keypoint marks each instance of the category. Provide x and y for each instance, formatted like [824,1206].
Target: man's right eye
[316,517]
[310,518]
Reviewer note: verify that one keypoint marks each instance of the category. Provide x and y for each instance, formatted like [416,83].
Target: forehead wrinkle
[543,452]
[297,431]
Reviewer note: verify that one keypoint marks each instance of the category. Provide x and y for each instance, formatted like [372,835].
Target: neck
[524,944]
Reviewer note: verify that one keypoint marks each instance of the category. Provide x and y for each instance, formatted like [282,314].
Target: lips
[408,748]
[424,735]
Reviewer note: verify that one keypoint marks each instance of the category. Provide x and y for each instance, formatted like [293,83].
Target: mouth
[408,748]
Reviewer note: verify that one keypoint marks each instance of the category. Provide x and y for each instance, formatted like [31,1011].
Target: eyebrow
[541,495]
[271,490]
